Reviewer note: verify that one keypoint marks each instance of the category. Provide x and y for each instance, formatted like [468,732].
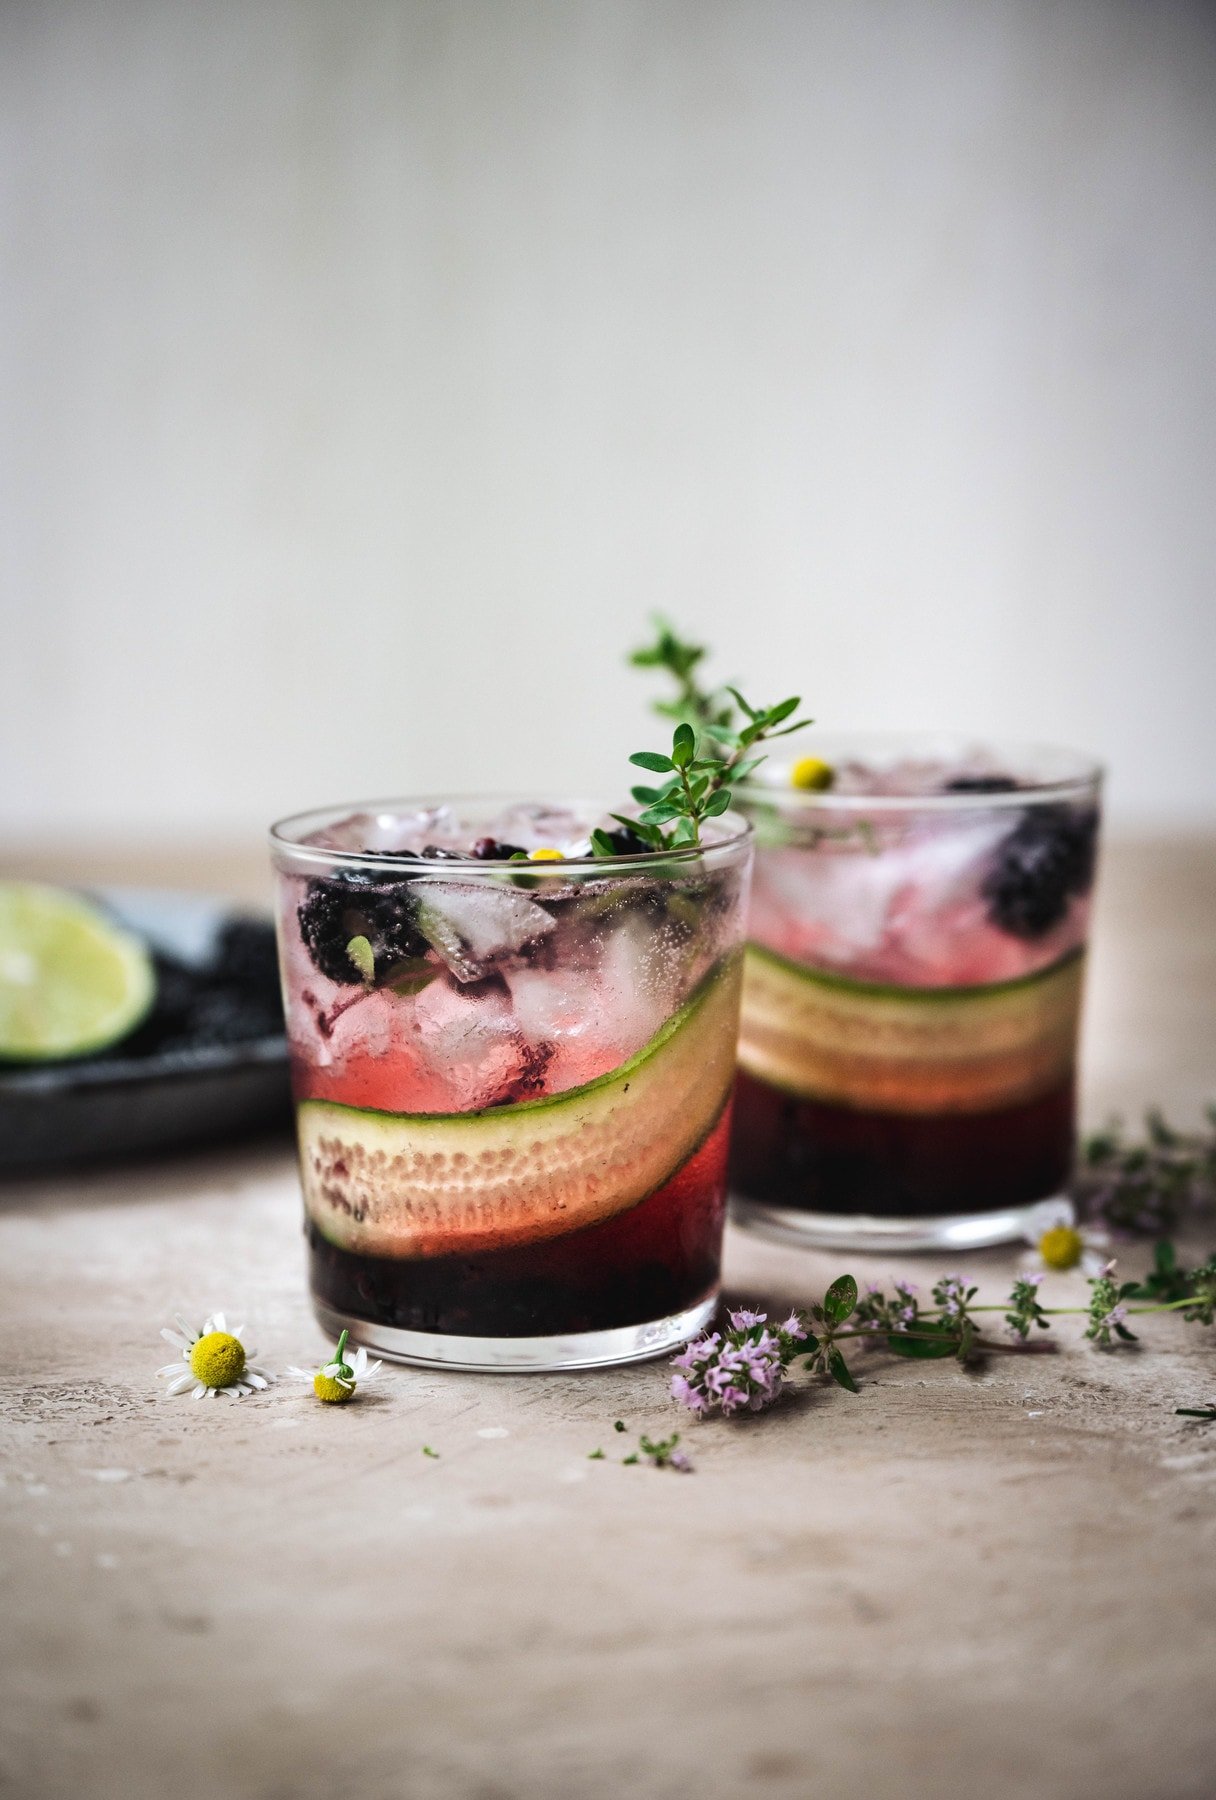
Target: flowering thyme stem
[1062,1311]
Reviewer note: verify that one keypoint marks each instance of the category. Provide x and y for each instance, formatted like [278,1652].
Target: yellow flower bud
[1061,1247]
[812,774]
[218,1359]
[330,1389]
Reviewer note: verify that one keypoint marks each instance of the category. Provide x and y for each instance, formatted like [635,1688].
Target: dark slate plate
[119,1104]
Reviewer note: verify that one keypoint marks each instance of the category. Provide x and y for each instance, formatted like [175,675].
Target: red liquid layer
[820,1157]
[661,1257]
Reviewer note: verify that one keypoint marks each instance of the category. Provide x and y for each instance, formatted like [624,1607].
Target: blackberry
[245,956]
[488,849]
[334,911]
[437,853]
[221,1002]
[1046,859]
[980,784]
[223,1014]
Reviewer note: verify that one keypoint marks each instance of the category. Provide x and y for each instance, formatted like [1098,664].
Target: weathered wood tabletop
[996,1583]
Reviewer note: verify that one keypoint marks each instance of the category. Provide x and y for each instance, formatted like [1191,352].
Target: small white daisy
[336,1382]
[216,1360]
[1060,1243]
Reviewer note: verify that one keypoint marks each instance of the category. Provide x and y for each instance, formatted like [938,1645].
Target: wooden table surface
[996,1583]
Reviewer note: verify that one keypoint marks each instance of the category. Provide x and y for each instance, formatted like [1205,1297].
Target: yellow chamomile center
[329,1388]
[812,774]
[218,1359]
[1061,1247]
[546,853]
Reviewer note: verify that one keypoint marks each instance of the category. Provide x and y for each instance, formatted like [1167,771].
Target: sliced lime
[70,980]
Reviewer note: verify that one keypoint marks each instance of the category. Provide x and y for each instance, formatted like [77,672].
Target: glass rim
[1083,781]
[282,844]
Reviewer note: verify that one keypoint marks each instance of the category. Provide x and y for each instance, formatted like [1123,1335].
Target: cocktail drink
[913,990]
[513,1066]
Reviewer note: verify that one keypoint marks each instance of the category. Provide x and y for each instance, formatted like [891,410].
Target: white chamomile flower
[216,1361]
[1061,1244]
[336,1382]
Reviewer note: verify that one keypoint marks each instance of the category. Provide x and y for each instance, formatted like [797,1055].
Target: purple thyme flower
[951,1293]
[743,1370]
[687,1395]
[700,1350]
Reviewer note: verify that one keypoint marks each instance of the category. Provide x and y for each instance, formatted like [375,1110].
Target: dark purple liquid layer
[838,1159]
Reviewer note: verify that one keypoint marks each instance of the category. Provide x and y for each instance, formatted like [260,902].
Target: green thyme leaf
[363,956]
[841,1299]
[932,1340]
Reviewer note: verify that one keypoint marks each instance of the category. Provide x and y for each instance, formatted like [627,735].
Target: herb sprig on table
[709,752]
[1147,1186]
[746,1367]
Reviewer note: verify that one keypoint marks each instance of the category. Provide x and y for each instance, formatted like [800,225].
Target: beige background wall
[369,371]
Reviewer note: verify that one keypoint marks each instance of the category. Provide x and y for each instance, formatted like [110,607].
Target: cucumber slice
[908,1050]
[71,981]
[431,1184]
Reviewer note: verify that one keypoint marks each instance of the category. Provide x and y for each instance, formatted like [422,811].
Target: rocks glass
[512,1068]
[913,992]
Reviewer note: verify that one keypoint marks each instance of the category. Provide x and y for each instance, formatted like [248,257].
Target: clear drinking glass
[913,991]
[512,1077]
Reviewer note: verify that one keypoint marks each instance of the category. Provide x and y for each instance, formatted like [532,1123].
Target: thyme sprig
[696,785]
[692,704]
[710,749]
[1147,1185]
[746,1367]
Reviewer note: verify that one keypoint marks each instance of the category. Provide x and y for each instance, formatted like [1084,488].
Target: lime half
[70,980]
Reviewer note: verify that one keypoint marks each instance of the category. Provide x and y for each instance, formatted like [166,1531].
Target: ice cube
[541,826]
[474,927]
[941,864]
[592,1014]
[467,1049]
[893,908]
[816,904]
[391,833]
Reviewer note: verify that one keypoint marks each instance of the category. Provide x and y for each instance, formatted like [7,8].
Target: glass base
[519,1355]
[874,1233]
